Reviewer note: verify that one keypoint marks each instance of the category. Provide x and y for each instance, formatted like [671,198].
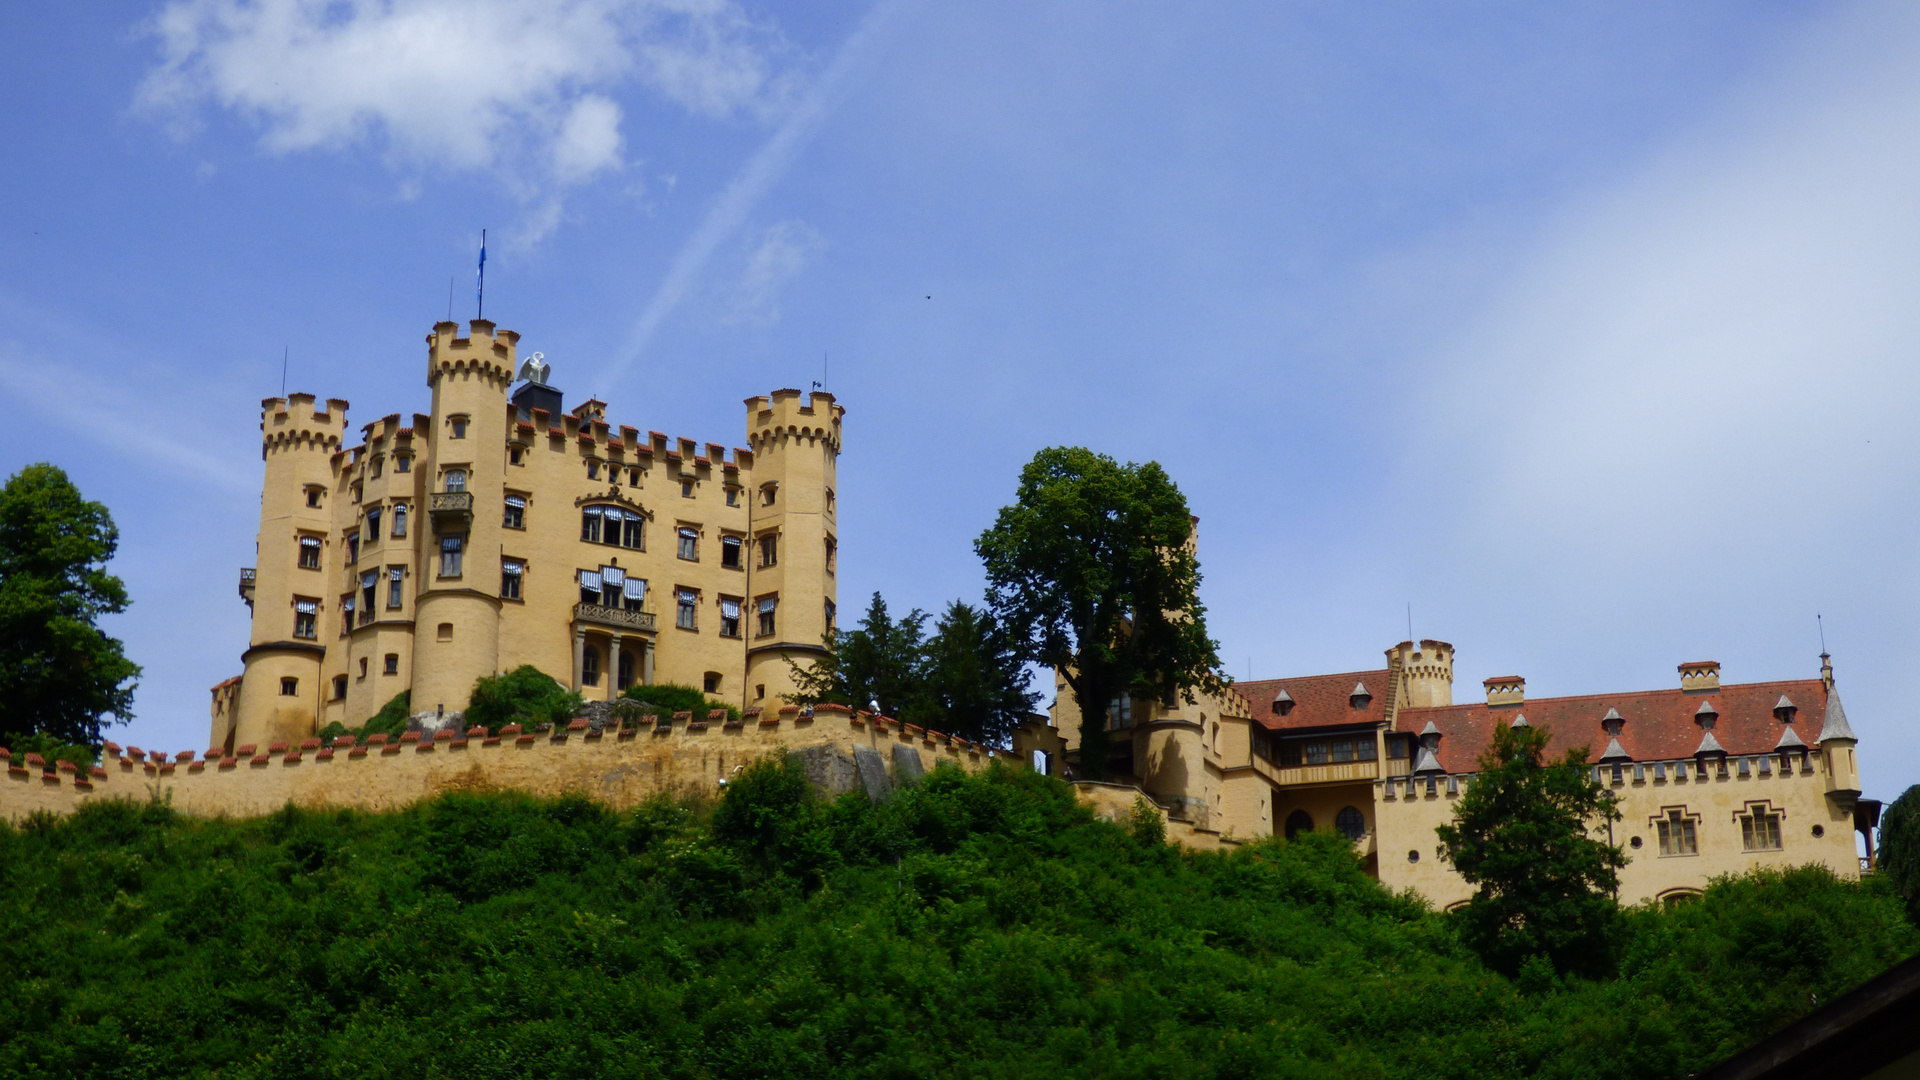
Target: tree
[60,675]
[973,679]
[524,695]
[1899,849]
[877,661]
[1522,832]
[1092,572]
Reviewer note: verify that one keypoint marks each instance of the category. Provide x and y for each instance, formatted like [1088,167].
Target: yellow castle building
[501,528]
[1711,778]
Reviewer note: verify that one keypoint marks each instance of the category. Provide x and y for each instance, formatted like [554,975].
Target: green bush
[526,695]
[983,926]
[1899,848]
[665,699]
[390,721]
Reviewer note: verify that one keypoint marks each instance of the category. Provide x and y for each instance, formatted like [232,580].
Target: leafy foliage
[59,674]
[965,679]
[390,721]
[525,695]
[1521,832]
[971,927]
[1091,572]
[665,699]
[1899,848]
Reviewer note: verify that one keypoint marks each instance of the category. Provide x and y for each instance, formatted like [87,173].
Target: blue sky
[1587,330]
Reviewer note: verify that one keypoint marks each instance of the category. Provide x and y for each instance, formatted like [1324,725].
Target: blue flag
[480,295]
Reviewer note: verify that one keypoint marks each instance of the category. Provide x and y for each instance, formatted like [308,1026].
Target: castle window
[729,617]
[402,463]
[589,586]
[513,455]
[443,632]
[306,618]
[770,550]
[373,526]
[1677,834]
[313,496]
[730,551]
[767,604]
[687,602]
[634,592]
[456,480]
[399,521]
[377,463]
[686,489]
[393,664]
[590,522]
[612,579]
[829,502]
[368,581]
[633,477]
[589,666]
[593,470]
[510,580]
[1120,713]
[833,553]
[733,496]
[616,519]
[450,550]
[339,688]
[711,683]
[831,613]
[690,543]
[309,553]
[346,615]
[1760,828]
[516,513]
[289,687]
[767,493]
[395,575]
[1350,822]
[459,425]
[363,667]
[353,548]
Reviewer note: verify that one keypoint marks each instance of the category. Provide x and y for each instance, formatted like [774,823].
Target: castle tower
[298,559]
[793,535]
[456,632]
[1426,673]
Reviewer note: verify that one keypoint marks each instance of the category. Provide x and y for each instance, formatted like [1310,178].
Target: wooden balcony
[452,512]
[613,618]
[1328,774]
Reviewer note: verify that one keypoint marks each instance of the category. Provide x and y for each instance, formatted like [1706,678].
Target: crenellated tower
[297,559]
[793,534]
[456,633]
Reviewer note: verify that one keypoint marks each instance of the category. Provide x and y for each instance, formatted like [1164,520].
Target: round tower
[793,534]
[1426,672]
[297,563]
[456,633]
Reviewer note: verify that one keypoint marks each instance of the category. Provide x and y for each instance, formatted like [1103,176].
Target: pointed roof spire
[1614,752]
[1836,726]
[1790,740]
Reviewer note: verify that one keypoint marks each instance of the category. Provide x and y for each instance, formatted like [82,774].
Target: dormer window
[1361,696]
[1282,702]
[1784,709]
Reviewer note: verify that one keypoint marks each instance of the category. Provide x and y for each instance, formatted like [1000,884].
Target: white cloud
[783,252]
[472,84]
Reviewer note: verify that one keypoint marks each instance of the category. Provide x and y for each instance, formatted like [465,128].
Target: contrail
[750,186]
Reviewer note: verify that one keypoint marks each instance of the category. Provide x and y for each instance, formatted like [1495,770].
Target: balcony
[613,618]
[246,584]
[452,512]
[1328,774]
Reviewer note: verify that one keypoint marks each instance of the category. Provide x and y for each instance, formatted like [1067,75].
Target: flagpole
[480,304]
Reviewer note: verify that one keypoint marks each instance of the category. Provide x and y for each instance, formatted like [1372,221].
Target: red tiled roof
[1318,700]
[1659,723]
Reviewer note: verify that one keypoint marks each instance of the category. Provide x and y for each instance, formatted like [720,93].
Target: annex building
[1712,778]
[501,528]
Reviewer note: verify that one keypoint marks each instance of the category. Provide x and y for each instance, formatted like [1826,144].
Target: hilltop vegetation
[972,927]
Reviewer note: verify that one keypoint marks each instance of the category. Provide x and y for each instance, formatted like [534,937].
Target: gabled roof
[1318,700]
[1659,723]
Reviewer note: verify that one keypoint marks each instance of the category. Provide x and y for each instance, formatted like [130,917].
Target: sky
[1580,335]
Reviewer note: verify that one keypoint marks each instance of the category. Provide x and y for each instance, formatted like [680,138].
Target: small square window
[402,463]
[513,456]
[767,494]
[633,477]
[459,427]
[712,682]
[289,687]
[309,553]
[733,496]
[686,489]
[313,497]
[393,664]
[339,688]
[593,470]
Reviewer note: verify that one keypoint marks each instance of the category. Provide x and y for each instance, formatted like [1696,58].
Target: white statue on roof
[534,369]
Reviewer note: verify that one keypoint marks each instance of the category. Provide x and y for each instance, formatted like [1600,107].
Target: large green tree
[60,675]
[1899,849]
[1524,832]
[1092,572]
[879,660]
[973,679]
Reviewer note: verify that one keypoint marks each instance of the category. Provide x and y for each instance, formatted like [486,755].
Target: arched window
[1298,822]
[1351,823]
[456,480]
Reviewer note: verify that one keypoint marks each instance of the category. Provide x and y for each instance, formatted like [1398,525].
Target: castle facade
[500,529]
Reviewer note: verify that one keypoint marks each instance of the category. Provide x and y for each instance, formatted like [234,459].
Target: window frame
[686,605]
[766,611]
[1674,830]
[687,542]
[514,512]
[1763,821]
[452,554]
[512,573]
[314,544]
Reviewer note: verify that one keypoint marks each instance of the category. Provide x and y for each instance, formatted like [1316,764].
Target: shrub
[665,699]
[525,695]
[390,721]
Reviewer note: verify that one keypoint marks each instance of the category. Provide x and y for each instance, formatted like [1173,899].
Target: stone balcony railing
[613,617]
[452,511]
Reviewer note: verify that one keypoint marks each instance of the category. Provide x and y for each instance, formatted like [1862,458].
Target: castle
[1712,779]
[499,529]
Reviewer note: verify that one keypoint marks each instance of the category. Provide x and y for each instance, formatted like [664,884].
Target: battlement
[293,422]
[622,763]
[790,414]
[484,351]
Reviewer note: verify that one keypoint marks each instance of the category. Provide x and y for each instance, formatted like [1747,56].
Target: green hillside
[972,927]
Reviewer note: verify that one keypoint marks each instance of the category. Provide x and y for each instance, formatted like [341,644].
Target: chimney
[1700,676]
[1505,690]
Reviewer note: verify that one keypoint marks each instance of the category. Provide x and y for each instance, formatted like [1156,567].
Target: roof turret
[1836,726]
